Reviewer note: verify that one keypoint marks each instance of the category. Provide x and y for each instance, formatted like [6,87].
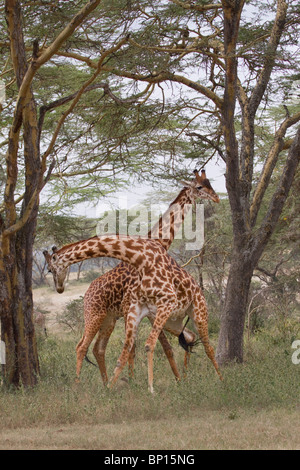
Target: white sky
[127,199]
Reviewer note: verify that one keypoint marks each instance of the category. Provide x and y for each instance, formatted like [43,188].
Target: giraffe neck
[129,249]
[169,223]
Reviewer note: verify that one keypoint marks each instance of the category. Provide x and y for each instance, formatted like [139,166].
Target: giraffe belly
[174,322]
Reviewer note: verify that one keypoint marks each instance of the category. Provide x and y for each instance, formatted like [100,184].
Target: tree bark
[230,343]
[17,228]
[245,258]
[17,236]
[248,243]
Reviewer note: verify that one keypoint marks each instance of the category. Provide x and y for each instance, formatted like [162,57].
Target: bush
[89,276]
[72,315]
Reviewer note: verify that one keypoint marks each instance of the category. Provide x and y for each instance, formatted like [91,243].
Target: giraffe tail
[185,345]
[89,361]
[183,342]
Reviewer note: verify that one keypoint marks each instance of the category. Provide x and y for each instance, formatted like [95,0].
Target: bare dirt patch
[49,301]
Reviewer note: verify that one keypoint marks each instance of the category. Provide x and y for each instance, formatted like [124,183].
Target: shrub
[72,315]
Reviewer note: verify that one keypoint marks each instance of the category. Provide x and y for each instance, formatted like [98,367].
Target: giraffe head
[58,269]
[200,188]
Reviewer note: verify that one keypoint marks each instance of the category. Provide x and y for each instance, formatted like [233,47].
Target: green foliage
[62,229]
[268,380]
[72,315]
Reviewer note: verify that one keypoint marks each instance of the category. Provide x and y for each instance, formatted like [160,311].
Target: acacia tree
[211,66]
[18,229]
[63,125]
[229,70]
[28,168]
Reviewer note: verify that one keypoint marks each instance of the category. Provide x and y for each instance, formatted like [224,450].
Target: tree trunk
[230,344]
[247,250]
[17,227]
[22,364]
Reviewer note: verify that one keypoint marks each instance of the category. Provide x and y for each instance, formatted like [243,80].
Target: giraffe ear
[47,256]
[185,183]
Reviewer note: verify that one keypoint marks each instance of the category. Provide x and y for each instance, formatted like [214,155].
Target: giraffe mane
[178,197]
[66,247]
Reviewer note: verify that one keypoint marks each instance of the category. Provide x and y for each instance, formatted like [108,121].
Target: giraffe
[165,291]
[106,298]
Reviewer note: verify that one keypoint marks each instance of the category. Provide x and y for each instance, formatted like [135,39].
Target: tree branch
[66,33]
[280,195]
[270,55]
[269,165]
[46,55]
[25,109]
[208,141]
[167,76]
[194,6]
[76,97]
[60,102]
[232,13]
[25,217]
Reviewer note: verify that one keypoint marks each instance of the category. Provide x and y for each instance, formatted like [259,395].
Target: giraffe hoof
[125,379]
[111,382]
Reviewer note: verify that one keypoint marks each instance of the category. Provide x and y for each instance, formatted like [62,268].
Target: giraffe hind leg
[201,322]
[168,350]
[91,327]
[132,323]
[101,344]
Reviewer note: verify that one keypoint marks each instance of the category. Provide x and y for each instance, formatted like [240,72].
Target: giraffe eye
[199,187]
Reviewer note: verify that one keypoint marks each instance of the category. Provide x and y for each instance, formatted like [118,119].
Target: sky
[133,196]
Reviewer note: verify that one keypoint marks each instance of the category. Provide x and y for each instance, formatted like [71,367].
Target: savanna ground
[256,407]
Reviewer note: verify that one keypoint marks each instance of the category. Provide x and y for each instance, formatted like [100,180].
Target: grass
[257,405]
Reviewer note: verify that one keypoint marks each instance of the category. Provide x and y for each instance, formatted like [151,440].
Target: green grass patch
[267,380]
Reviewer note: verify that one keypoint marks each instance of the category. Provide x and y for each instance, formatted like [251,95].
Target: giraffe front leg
[161,317]
[132,323]
[125,305]
[168,350]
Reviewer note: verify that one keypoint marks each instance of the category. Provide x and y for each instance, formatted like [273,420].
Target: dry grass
[256,407]
[210,430]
